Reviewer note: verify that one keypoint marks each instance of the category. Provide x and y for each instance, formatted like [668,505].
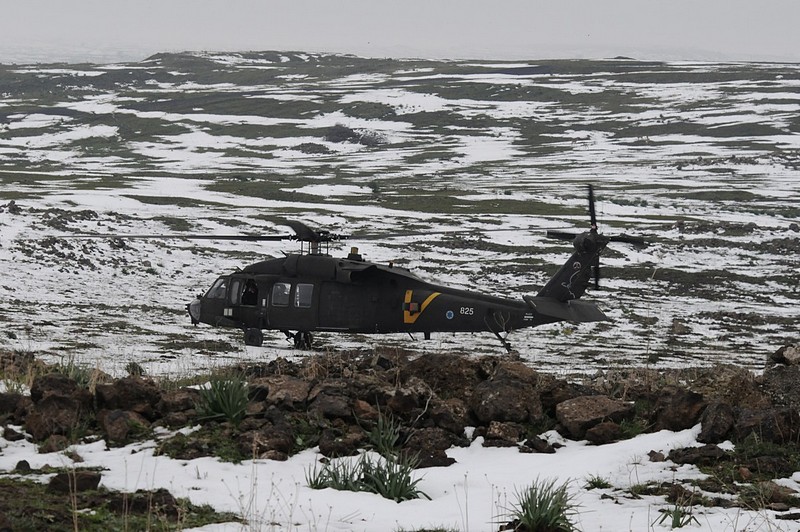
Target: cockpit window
[280,294]
[303,294]
[218,289]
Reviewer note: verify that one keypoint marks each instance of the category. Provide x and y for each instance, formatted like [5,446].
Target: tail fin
[571,280]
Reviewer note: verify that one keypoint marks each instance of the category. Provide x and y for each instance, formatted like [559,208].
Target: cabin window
[218,289]
[303,295]
[250,293]
[280,294]
[236,290]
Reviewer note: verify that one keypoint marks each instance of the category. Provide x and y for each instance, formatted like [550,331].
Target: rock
[9,402]
[285,390]
[540,445]
[364,411]
[509,432]
[716,423]
[510,394]
[53,414]
[333,443]
[734,385]
[582,413]
[74,482]
[52,384]
[277,440]
[331,406]
[23,466]
[788,354]
[777,425]
[451,415]
[181,400]
[118,424]
[708,454]
[656,456]
[782,384]
[433,458]
[604,432]
[133,394]
[9,434]
[677,409]
[429,446]
[448,376]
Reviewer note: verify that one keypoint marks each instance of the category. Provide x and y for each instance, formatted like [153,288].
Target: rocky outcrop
[337,401]
[582,413]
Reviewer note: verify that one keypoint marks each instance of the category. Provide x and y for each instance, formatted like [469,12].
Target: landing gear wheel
[303,340]
[253,337]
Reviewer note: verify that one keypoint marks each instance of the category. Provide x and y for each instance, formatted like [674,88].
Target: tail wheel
[253,337]
[303,340]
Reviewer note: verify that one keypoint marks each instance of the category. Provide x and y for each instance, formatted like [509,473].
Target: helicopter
[311,291]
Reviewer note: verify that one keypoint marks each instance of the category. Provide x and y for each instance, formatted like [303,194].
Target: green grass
[544,506]
[31,506]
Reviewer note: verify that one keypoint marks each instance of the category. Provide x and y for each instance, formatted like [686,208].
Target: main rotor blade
[561,235]
[249,238]
[592,215]
[628,239]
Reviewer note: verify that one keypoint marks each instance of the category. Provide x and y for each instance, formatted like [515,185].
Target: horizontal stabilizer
[572,310]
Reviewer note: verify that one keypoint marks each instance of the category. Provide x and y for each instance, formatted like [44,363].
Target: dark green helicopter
[311,291]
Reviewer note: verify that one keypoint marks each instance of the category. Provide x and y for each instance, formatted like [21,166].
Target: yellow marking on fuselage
[408,317]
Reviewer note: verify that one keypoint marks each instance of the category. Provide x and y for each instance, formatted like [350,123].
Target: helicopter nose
[194,310]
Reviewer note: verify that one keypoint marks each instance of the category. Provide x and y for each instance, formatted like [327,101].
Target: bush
[543,506]
[224,398]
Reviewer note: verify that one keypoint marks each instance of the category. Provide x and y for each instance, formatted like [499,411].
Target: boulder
[133,394]
[451,415]
[605,432]
[448,376]
[52,384]
[180,400]
[582,413]
[788,354]
[504,431]
[334,443]
[53,414]
[285,391]
[708,454]
[782,384]
[117,424]
[509,394]
[716,422]
[677,409]
[777,425]
[74,482]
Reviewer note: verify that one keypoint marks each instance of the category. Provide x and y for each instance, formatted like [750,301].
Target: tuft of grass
[544,506]
[596,482]
[384,437]
[224,398]
[678,516]
[388,477]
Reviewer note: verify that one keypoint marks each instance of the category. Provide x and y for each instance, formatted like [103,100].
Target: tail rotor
[582,241]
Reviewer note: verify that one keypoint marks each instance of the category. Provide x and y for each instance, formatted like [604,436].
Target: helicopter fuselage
[316,292]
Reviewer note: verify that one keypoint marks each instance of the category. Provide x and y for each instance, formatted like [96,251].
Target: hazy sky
[108,30]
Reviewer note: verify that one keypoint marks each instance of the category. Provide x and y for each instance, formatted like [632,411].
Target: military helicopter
[311,291]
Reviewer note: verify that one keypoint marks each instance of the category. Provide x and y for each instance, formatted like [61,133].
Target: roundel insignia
[449,314]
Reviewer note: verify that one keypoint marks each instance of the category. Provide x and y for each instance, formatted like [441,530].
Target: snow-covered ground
[703,160]
[475,494]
